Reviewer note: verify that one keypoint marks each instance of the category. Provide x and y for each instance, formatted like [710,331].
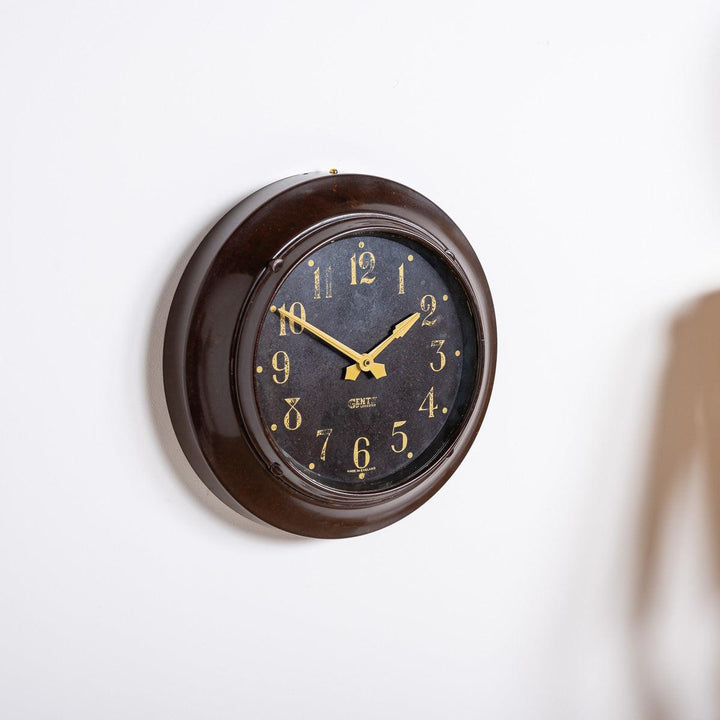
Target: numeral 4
[428,404]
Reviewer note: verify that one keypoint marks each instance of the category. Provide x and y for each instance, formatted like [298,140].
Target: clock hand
[362,362]
[398,331]
[352,371]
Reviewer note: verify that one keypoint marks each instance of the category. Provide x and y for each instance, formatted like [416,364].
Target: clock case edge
[177,328]
[262,494]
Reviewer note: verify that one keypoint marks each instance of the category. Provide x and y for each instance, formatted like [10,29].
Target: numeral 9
[281,363]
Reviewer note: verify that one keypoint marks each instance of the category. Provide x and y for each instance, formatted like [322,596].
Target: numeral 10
[298,310]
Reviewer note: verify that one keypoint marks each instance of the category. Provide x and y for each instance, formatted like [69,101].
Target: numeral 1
[401,279]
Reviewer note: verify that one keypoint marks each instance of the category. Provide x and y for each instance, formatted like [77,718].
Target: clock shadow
[239,519]
[684,451]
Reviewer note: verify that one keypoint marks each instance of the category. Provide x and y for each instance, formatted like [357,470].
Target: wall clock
[329,353]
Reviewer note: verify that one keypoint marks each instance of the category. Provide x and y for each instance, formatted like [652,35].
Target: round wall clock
[329,353]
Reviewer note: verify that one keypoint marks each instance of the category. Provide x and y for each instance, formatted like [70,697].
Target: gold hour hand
[352,371]
[361,361]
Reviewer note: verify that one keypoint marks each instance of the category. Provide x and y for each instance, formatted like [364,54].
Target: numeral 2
[428,305]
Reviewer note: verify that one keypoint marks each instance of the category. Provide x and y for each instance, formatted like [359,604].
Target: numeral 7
[326,433]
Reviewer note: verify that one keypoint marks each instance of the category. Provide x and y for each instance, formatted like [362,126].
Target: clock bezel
[251,325]
[233,276]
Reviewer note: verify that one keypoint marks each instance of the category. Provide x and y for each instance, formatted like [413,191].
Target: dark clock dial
[365,362]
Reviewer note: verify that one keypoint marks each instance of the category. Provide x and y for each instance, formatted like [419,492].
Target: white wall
[577,146]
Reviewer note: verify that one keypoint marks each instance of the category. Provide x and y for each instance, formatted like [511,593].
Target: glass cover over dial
[366,362]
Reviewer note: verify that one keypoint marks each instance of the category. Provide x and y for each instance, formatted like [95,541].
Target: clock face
[365,363]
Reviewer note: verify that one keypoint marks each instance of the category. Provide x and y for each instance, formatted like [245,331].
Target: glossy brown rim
[212,333]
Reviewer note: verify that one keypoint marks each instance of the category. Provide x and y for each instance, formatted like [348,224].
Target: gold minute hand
[352,371]
[377,369]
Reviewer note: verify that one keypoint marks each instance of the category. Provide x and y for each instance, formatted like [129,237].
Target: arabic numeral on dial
[293,418]
[441,362]
[402,437]
[281,364]
[318,283]
[428,305]
[361,454]
[428,404]
[365,262]
[298,310]
[326,433]
[401,279]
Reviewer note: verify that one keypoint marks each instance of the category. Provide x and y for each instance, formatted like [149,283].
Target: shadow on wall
[687,433]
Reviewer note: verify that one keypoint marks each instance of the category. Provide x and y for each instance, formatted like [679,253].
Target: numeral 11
[328,283]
